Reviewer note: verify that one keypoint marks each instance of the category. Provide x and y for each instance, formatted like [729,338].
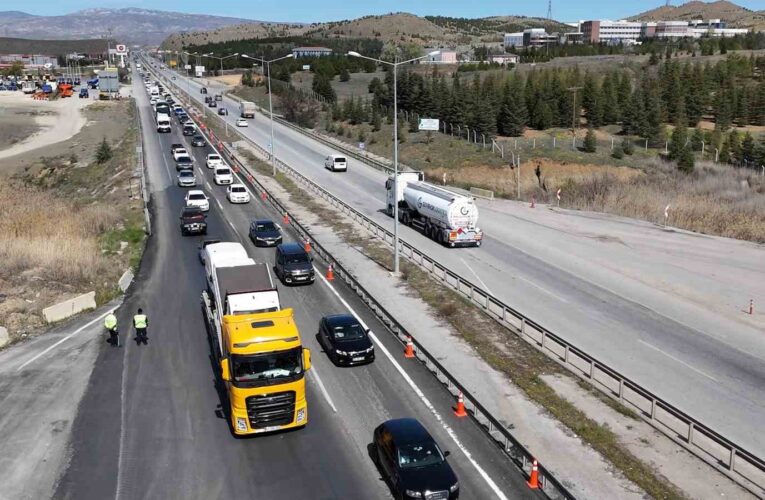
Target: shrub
[104,152]
[627,147]
[590,143]
[618,153]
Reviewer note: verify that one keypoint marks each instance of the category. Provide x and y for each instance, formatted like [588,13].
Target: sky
[328,10]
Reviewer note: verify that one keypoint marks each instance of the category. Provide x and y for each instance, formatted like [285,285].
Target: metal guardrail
[741,465]
[141,162]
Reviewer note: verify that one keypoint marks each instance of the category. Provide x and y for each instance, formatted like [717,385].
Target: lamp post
[210,55]
[270,102]
[395,65]
[188,80]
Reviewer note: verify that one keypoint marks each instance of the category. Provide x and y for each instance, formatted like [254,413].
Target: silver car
[186,178]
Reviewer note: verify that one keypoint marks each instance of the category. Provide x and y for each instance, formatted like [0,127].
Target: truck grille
[271,409]
[437,495]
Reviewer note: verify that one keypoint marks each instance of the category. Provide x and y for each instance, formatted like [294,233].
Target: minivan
[336,163]
[293,264]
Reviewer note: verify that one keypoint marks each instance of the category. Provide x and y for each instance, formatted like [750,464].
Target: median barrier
[70,307]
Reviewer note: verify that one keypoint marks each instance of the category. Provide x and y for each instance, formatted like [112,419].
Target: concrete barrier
[70,307]
[4,338]
[125,280]
[482,193]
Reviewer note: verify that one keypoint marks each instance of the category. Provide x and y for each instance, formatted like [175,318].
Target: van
[293,264]
[336,163]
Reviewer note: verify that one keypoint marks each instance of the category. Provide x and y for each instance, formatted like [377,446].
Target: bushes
[104,152]
[590,142]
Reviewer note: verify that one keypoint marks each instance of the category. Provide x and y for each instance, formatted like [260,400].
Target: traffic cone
[263,195]
[306,245]
[330,272]
[533,481]
[751,306]
[286,218]
[533,202]
[409,351]
[459,410]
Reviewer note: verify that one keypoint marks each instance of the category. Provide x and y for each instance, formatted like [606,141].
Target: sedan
[198,141]
[188,130]
[264,233]
[222,111]
[223,175]
[183,162]
[241,122]
[345,341]
[173,78]
[197,198]
[237,193]
[411,461]
[186,178]
[213,104]
[214,160]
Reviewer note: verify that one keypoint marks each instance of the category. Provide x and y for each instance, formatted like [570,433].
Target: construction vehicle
[256,343]
[65,90]
[444,216]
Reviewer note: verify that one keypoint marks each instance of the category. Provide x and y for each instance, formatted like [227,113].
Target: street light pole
[395,65]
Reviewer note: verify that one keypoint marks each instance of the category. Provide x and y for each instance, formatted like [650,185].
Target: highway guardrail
[732,459]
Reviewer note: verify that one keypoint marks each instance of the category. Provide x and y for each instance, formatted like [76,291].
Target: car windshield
[197,197]
[265,369]
[198,138]
[186,173]
[223,171]
[419,455]
[265,226]
[348,332]
[296,258]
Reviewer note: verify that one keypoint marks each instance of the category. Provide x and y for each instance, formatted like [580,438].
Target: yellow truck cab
[263,366]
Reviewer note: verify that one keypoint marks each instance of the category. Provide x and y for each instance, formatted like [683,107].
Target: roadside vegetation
[69,225]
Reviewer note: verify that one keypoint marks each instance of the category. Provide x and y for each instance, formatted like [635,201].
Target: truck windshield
[267,369]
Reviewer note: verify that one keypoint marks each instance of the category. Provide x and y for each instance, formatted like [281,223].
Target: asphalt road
[663,307]
[151,424]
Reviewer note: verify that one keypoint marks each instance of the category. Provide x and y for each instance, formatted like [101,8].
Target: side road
[41,385]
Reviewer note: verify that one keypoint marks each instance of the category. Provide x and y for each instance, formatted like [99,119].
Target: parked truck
[247,109]
[444,216]
[257,343]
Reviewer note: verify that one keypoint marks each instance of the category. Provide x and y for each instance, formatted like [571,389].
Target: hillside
[177,41]
[734,15]
[139,26]
[398,26]
[52,47]
[496,24]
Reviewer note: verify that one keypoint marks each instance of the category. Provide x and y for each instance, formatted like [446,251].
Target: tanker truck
[444,216]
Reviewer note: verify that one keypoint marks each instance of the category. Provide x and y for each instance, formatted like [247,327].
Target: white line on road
[545,290]
[63,340]
[678,360]
[476,276]
[420,394]
[323,389]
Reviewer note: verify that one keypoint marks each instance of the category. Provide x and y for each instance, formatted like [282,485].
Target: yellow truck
[262,360]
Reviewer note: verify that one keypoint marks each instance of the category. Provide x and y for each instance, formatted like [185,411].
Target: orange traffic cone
[409,351]
[286,218]
[459,410]
[330,272]
[307,245]
[263,195]
[533,481]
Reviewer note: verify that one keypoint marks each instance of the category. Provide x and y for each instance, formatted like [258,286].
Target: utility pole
[573,114]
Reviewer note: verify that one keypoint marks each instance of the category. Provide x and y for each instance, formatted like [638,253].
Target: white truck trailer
[444,216]
[247,109]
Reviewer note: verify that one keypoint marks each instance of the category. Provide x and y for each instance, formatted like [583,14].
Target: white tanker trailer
[444,216]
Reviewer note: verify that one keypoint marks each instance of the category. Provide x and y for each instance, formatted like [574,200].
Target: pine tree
[591,101]
[544,116]
[344,74]
[685,160]
[323,86]
[654,131]
[724,156]
[697,138]
[758,110]
[375,120]
[104,152]
[679,138]
[748,148]
[590,142]
[512,114]
[734,144]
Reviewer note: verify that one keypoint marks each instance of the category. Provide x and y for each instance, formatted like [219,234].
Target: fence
[140,171]
[732,459]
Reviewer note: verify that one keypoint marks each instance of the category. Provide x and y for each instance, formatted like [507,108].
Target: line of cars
[409,459]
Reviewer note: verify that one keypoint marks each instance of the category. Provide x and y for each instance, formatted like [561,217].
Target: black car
[264,233]
[222,111]
[193,221]
[189,130]
[184,162]
[345,341]
[293,264]
[198,141]
[411,461]
[203,90]
[208,99]
[213,104]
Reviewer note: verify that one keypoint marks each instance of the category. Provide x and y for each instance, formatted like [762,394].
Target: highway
[664,307]
[151,424]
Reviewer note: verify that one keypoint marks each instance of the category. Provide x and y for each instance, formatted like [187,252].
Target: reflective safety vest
[140,321]
[110,322]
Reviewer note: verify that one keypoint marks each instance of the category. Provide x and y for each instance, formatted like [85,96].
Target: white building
[597,31]
[444,56]
[504,59]
[513,40]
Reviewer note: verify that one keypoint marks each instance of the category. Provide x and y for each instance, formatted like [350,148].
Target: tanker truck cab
[444,216]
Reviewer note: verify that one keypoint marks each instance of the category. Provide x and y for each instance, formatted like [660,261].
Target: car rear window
[339,160]
[184,159]
[213,157]
[196,197]
[238,189]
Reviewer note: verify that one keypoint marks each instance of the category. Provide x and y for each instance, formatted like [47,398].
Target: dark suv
[293,264]
[193,221]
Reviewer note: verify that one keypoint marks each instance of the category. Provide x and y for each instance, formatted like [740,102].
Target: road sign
[428,124]
[306,67]
[362,146]
[187,66]
[121,49]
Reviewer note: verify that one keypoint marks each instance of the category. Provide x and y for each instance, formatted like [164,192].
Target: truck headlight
[301,415]
[413,494]
[241,424]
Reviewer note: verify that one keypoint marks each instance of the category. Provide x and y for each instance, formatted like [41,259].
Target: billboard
[428,124]
[120,49]
[199,71]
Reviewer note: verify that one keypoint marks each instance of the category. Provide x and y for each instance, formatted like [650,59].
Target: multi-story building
[672,29]
[538,37]
[513,40]
[605,31]
[714,28]
[444,56]
[597,31]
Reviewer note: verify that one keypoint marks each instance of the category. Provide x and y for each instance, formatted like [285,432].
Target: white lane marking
[545,290]
[323,389]
[421,395]
[62,340]
[476,276]
[678,360]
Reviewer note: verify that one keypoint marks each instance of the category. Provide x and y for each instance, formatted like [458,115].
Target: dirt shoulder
[69,224]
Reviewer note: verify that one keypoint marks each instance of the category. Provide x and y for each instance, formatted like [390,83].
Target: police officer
[140,322]
[110,323]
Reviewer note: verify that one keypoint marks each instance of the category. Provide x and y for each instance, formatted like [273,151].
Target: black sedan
[411,461]
[213,104]
[198,141]
[222,111]
[188,130]
[345,341]
[264,233]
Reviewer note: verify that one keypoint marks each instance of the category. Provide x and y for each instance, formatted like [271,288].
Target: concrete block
[4,337]
[125,280]
[70,307]
[482,193]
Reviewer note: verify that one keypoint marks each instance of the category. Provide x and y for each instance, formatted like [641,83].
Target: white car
[214,160]
[241,122]
[223,175]
[237,193]
[197,198]
[188,122]
[178,152]
[335,163]
[153,101]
